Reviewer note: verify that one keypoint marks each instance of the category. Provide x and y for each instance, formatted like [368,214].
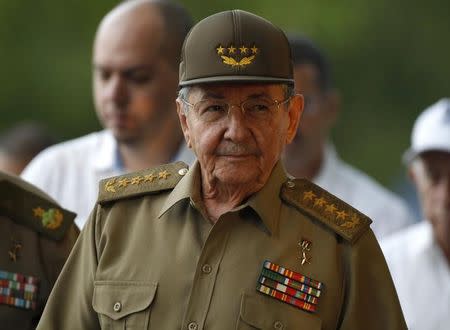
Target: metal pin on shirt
[305,247]
[14,251]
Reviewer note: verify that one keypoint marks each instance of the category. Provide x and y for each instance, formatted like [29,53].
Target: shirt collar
[187,188]
[266,202]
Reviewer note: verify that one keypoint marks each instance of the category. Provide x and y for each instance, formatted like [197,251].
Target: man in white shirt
[135,76]
[311,155]
[419,257]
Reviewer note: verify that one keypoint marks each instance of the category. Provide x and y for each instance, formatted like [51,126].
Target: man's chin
[124,136]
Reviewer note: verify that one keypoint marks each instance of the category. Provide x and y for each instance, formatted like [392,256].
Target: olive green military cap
[235,46]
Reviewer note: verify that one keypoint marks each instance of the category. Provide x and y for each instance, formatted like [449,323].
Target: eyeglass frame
[230,105]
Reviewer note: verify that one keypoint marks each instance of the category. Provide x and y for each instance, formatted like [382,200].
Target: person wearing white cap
[419,257]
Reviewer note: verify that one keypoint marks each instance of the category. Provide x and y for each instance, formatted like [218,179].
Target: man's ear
[296,106]
[183,122]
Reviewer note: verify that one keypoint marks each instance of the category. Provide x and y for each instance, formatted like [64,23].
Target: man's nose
[116,90]
[237,126]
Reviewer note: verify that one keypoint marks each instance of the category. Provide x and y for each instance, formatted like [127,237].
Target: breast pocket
[263,312]
[123,304]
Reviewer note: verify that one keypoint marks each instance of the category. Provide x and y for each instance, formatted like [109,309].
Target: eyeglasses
[257,109]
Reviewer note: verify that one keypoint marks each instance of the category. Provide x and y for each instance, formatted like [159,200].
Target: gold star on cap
[220,49]
[254,50]
[243,50]
[231,49]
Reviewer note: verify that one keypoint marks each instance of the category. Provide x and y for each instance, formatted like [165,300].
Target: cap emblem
[237,57]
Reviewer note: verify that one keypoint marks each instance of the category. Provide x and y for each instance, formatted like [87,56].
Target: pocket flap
[264,312]
[117,299]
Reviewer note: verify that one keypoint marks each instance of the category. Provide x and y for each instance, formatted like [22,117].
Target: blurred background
[390,60]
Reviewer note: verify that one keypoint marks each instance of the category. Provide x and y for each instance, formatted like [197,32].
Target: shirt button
[290,184]
[206,268]
[117,307]
[193,326]
[278,325]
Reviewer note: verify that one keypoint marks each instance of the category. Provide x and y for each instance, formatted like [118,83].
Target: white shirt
[388,212]
[70,171]
[421,276]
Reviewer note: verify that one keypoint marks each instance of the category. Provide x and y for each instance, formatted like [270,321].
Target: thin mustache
[236,149]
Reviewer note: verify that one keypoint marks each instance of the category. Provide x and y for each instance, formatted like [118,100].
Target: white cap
[431,130]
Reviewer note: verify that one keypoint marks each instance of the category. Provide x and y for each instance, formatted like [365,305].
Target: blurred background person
[312,154]
[36,237]
[419,257]
[20,143]
[135,77]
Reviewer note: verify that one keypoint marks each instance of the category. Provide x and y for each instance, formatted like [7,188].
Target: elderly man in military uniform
[36,236]
[231,243]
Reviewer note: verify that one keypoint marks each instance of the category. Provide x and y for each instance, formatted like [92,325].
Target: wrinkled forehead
[236,91]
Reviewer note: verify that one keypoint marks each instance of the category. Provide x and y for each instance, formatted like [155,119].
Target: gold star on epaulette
[122,183]
[149,177]
[109,186]
[331,208]
[308,195]
[38,212]
[163,175]
[319,202]
[323,206]
[160,178]
[341,215]
[136,180]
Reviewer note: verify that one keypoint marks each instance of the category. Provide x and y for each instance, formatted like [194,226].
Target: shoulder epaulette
[134,184]
[309,198]
[30,207]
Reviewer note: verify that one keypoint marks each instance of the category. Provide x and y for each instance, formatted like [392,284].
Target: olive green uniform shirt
[149,259]
[31,248]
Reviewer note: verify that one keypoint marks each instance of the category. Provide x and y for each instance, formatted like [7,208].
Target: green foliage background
[390,59]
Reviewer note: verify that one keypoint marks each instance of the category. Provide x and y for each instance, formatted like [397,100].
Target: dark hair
[25,140]
[304,51]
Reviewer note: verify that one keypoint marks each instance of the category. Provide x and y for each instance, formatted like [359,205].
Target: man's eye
[104,75]
[140,78]
[259,108]
[215,108]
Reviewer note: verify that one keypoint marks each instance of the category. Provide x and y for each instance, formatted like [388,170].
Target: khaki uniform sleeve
[70,303]
[370,300]
[55,253]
